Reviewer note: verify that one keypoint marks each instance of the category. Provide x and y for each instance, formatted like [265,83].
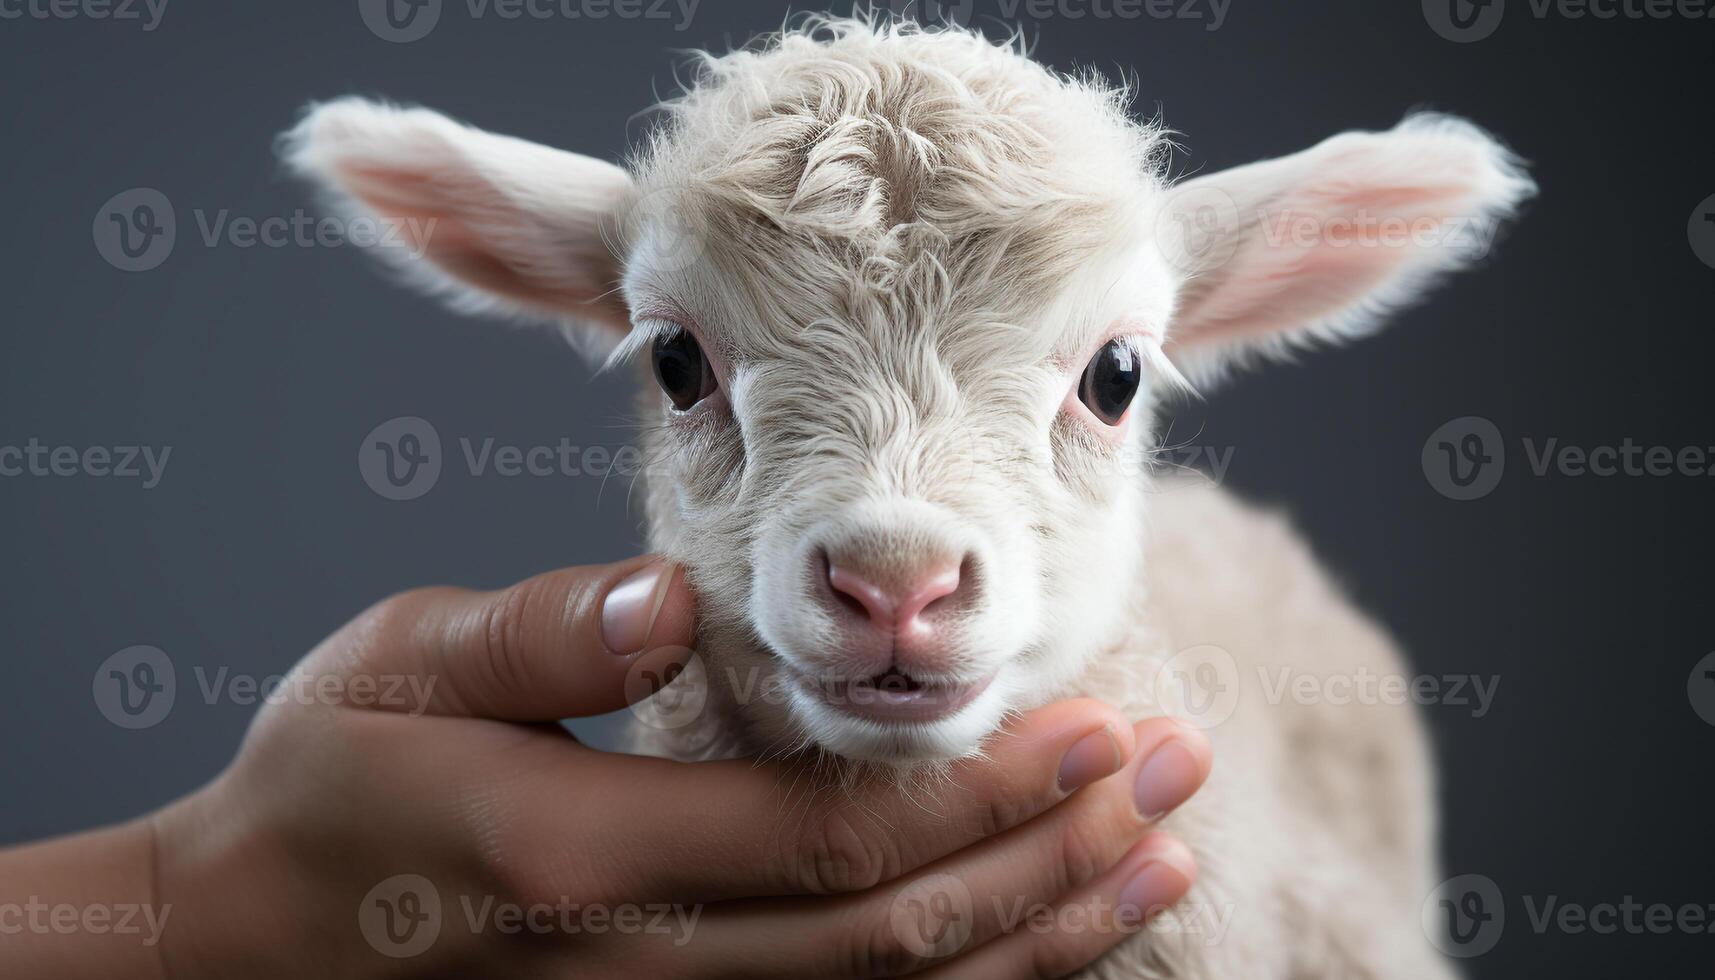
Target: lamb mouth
[895,696]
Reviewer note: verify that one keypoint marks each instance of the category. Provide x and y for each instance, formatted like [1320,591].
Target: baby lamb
[911,302]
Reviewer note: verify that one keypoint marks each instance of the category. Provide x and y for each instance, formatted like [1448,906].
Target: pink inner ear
[434,218]
[1315,253]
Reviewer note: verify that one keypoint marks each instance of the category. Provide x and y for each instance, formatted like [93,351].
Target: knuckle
[1056,956]
[837,856]
[1001,813]
[1085,852]
[511,863]
[502,627]
[396,610]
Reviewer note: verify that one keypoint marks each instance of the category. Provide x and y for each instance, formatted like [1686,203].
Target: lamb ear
[1324,244]
[491,223]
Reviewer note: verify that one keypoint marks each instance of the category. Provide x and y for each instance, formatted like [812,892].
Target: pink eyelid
[678,318]
[1075,407]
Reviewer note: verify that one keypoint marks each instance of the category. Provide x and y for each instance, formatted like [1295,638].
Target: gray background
[264,368]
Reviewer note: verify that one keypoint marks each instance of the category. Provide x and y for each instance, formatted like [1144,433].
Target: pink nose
[898,608]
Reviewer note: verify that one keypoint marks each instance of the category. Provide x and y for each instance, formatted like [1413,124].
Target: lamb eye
[682,370]
[1110,381]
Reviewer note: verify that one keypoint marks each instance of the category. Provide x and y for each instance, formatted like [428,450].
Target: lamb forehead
[883,164]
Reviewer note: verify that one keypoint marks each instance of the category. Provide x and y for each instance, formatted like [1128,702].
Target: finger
[1075,932]
[986,890]
[559,645]
[729,830]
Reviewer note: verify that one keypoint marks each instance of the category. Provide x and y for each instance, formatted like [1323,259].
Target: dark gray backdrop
[263,368]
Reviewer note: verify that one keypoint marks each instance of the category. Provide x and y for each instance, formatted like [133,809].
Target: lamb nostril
[936,585]
[861,595]
[900,601]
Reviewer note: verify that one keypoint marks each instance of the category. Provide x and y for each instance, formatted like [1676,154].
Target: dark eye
[1110,381]
[682,370]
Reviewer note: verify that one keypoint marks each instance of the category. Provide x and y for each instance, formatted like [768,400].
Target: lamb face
[909,298]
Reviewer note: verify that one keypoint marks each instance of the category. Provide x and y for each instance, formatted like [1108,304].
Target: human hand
[462,832]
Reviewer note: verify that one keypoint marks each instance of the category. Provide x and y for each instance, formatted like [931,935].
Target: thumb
[565,644]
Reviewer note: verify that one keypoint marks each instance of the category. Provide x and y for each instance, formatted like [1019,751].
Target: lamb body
[898,251]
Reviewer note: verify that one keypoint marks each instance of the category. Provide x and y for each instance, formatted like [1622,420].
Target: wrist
[222,881]
[82,905]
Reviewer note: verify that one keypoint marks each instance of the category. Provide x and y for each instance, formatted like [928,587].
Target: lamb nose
[899,608]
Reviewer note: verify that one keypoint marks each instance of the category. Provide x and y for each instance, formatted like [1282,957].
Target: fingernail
[1089,759]
[1166,779]
[1153,888]
[628,613]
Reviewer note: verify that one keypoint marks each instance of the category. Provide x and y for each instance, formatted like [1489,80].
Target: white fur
[901,247]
